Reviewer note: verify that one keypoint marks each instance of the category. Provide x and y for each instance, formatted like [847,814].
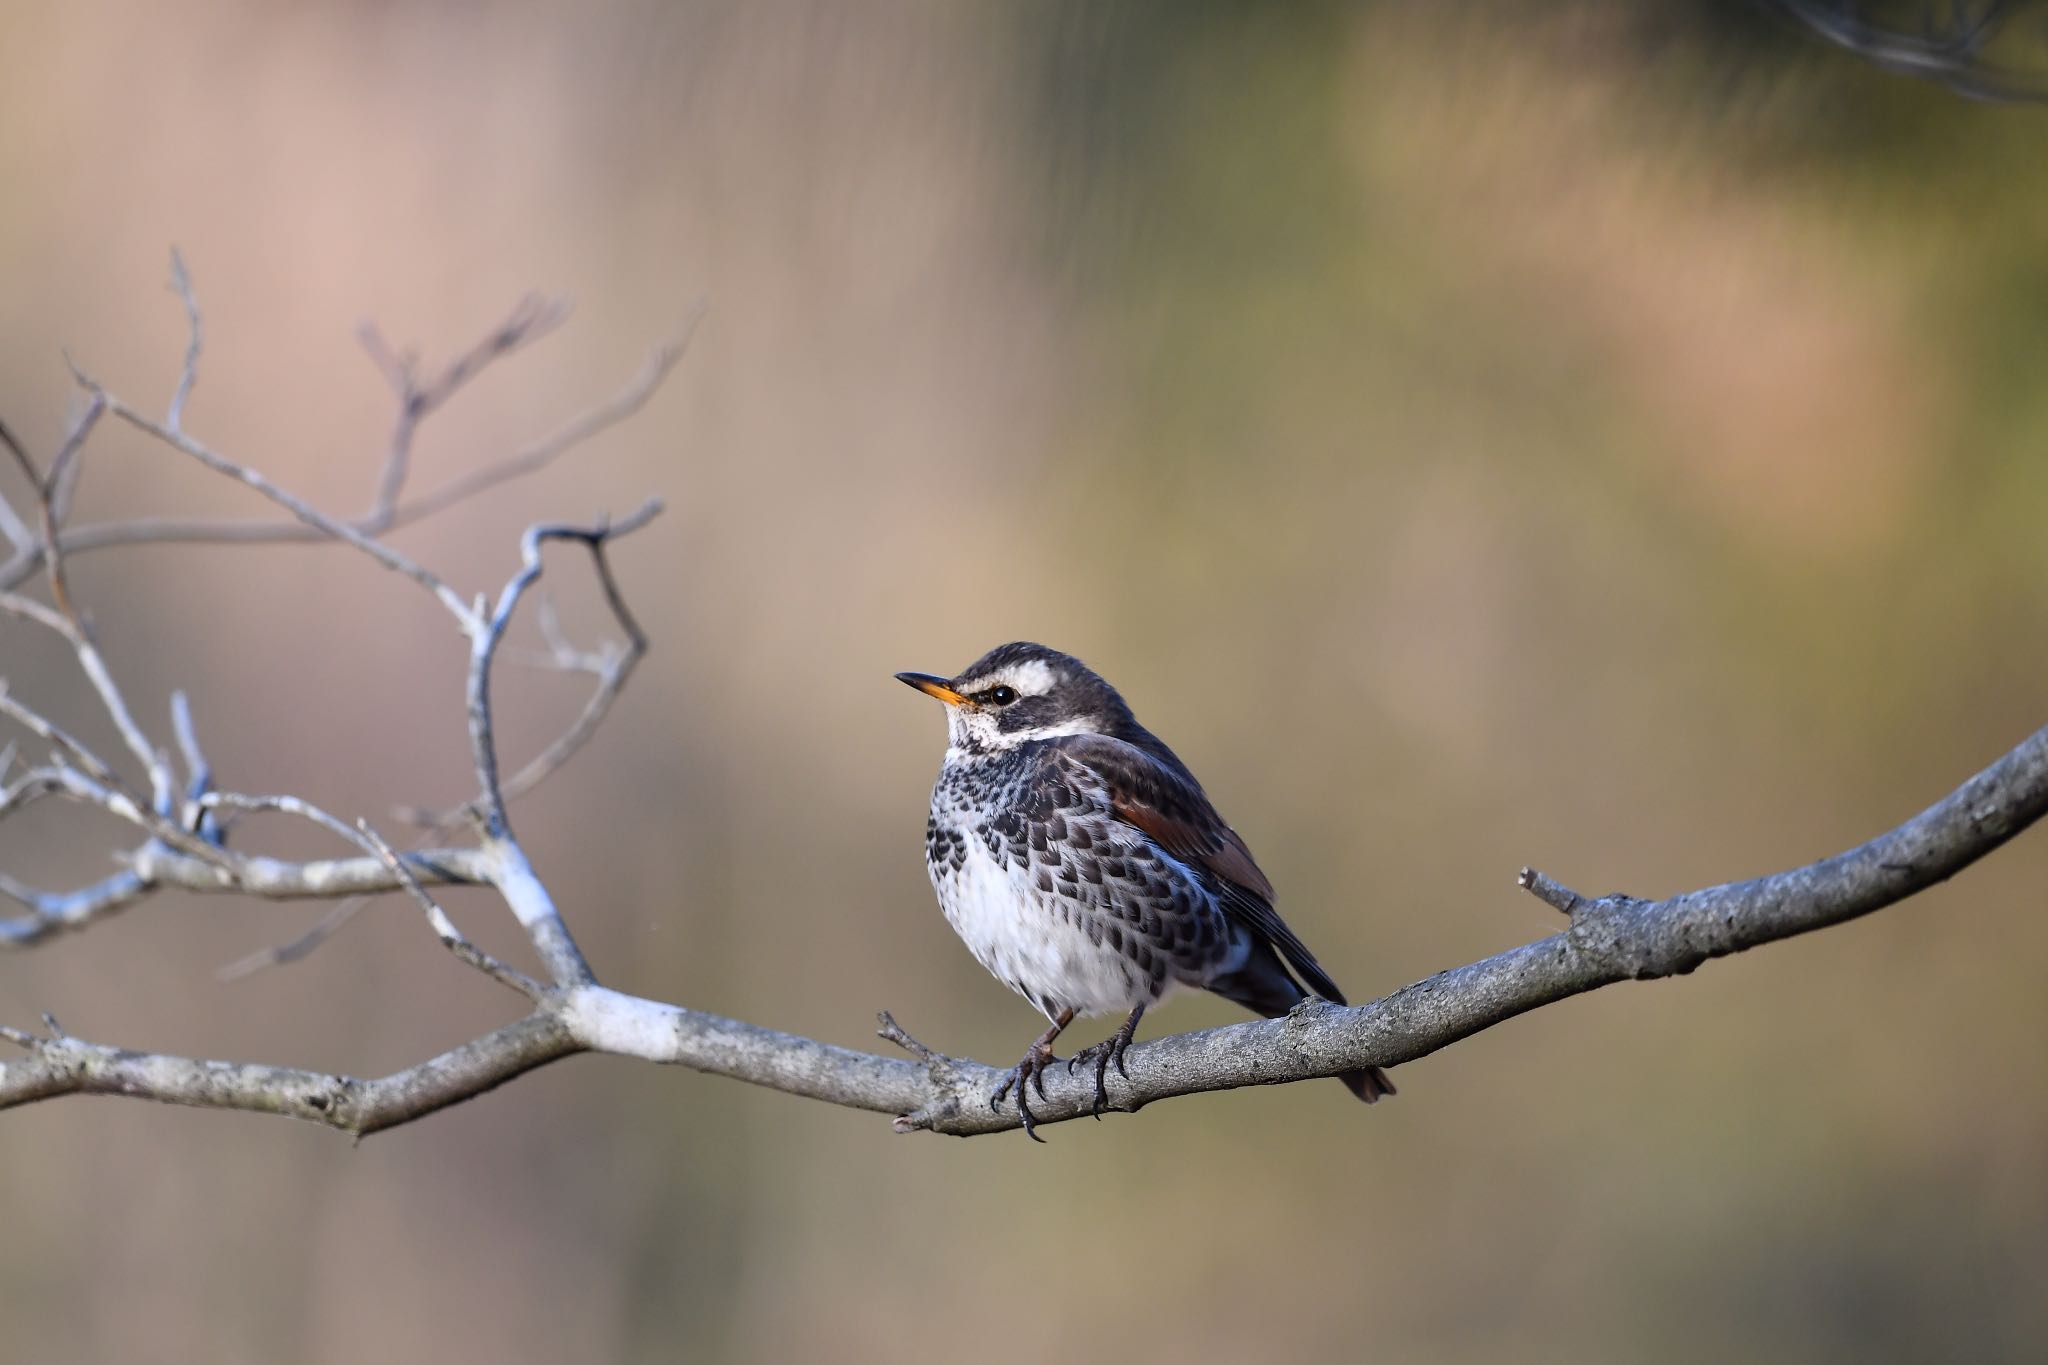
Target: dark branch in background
[185,845]
[1952,44]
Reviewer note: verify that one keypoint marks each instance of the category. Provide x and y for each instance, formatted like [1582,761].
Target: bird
[1084,866]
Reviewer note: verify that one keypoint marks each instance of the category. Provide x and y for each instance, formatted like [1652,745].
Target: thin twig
[188,375]
[64,474]
[43,728]
[363,837]
[11,525]
[485,642]
[278,954]
[451,937]
[51,505]
[533,318]
[1551,892]
[291,502]
[198,772]
[116,706]
[565,438]
[21,457]
[169,531]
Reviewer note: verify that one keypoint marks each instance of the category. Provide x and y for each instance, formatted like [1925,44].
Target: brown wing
[1171,809]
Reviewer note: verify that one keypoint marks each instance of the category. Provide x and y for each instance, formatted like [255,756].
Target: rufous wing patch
[1215,846]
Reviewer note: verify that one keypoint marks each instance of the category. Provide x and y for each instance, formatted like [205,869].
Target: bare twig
[198,772]
[1951,49]
[613,668]
[485,642]
[167,531]
[292,950]
[98,784]
[85,414]
[21,457]
[55,495]
[532,319]
[184,846]
[292,503]
[1551,892]
[67,621]
[451,938]
[25,541]
[155,867]
[188,375]
[11,524]
[16,530]
[47,730]
[570,435]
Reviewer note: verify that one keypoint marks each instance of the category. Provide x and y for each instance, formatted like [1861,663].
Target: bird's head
[1020,692]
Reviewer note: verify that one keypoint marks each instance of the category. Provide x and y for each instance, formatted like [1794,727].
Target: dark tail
[1263,986]
[1368,1083]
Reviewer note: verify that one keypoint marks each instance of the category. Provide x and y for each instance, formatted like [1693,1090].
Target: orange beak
[932,686]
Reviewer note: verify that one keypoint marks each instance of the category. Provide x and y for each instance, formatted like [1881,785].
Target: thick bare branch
[155,867]
[318,879]
[68,1066]
[535,909]
[1613,938]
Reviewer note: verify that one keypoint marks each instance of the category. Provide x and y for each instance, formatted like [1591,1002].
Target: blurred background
[1606,435]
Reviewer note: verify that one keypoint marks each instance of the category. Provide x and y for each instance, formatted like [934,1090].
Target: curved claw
[1110,1049]
[1036,1059]
[1021,1076]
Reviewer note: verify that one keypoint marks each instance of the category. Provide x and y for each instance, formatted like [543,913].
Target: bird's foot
[1029,1072]
[1110,1049]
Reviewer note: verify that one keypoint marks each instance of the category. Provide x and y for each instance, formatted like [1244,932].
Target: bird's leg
[1110,1049]
[1031,1069]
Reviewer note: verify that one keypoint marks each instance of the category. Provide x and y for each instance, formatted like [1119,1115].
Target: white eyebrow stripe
[1080,725]
[1031,678]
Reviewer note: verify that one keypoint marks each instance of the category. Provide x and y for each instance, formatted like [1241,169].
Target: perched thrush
[1084,866]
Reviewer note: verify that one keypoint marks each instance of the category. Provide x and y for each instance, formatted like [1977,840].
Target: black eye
[1002,695]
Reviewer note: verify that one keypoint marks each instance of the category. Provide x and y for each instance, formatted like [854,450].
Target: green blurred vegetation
[1596,434]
